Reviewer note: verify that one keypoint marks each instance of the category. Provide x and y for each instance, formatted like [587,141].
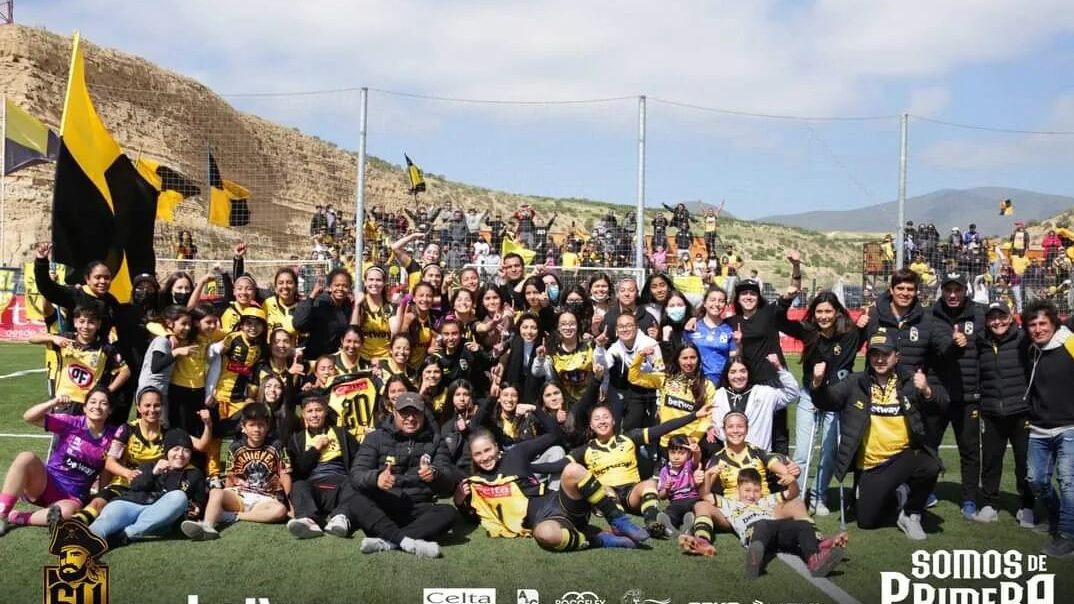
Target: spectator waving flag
[27,141]
[172,186]
[102,208]
[510,246]
[417,179]
[228,200]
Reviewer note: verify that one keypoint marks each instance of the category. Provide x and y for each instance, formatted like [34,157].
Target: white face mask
[676,313]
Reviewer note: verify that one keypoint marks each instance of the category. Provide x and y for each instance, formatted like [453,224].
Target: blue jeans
[804,419]
[138,520]
[1048,455]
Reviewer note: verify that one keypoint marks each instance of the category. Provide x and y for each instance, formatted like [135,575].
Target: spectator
[1019,240]
[319,222]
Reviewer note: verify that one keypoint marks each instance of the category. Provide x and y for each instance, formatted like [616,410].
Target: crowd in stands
[1011,269]
[501,396]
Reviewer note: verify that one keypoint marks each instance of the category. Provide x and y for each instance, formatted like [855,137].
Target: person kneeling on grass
[753,519]
[398,473]
[511,501]
[882,433]
[75,462]
[257,480]
[161,494]
[321,457]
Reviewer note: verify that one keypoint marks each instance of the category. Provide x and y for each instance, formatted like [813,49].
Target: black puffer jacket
[919,341]
[386,444]
[851,397]
[1003,372]
[957,367]
[324,322]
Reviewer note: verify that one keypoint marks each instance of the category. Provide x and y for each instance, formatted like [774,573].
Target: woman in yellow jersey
[504,491]
[570,359]
[190,349]
[464,312]
[348,359]
[373,315]
[283,362]
[280,307]
[415,318]
[722,477]
[613,458]
[680,391]
[245,297]
[398,361]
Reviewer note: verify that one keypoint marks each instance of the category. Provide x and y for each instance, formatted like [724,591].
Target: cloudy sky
[999,63]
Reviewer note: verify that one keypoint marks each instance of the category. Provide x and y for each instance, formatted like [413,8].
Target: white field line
[830,589]
[21,373]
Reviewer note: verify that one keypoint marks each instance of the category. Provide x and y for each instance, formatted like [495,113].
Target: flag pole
[3,189]
[359,194]
[639,217]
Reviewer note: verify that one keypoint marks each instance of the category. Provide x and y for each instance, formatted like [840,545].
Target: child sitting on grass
[256,480]
[676,483]
[753,519]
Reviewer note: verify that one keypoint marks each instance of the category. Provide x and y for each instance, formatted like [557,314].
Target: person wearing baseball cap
[397,475]
[957,368]
[1004,413]
[882,434]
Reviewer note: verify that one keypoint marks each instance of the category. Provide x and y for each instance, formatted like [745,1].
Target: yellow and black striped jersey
[135,449]
[730,463]
[573,369]
[501,504]
[343,366]
[238,359]
[615,463]
[279,315]
[80,367]
[376,331]
[354,399]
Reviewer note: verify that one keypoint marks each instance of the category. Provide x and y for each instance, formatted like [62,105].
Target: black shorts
[622,494]
[112,491]
[554,505]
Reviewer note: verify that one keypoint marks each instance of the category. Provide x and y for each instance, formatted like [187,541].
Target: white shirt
[763,402]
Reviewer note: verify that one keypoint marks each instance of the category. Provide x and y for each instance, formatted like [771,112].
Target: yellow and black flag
[228,201]
[27,141]
[172,186]
[1006,207]
[102,208]
[417,179]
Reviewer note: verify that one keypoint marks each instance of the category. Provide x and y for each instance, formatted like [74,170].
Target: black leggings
[183,407]
[324,496]
[996,432]
[876,487]
[393,517]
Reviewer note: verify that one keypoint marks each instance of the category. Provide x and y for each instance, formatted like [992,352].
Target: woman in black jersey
[829,336]
[510,501]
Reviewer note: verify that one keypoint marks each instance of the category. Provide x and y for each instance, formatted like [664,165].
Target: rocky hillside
[171,118]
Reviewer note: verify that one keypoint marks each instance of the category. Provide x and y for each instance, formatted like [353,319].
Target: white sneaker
[374,545]
[304,528]
[420,548]
[986,514]
[911,525]
[3,526]
[198,531]
[819,509]
[338,526]
[1026,518]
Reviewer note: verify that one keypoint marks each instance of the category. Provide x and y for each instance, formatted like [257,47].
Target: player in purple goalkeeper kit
[75,462]
[677,484]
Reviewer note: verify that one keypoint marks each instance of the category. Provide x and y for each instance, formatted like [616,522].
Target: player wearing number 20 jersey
[353,397]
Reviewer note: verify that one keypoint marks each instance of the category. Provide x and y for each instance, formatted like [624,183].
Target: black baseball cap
[747,284]
[410,400]
[883,341]
[1000,307]
[954,278]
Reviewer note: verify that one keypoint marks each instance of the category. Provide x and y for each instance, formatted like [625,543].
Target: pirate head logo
[837,350]
[78,576]
[914,334]
[967,328]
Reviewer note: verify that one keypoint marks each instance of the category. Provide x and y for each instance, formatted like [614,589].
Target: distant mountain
[945,208]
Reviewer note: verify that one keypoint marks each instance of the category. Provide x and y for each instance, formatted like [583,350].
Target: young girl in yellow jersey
[570,359]
[680,391]
[415,318]
[190,342]
[505,493]
[373,314]
[239,353]
[245,297]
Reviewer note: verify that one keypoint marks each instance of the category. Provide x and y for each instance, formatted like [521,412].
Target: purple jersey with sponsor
[79,456]
[679,483]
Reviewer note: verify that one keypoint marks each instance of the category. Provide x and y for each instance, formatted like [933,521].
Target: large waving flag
[509,245]
[417,178]
[102,208]
[1006,207]
[228,200]
[172,186]
[27,141]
